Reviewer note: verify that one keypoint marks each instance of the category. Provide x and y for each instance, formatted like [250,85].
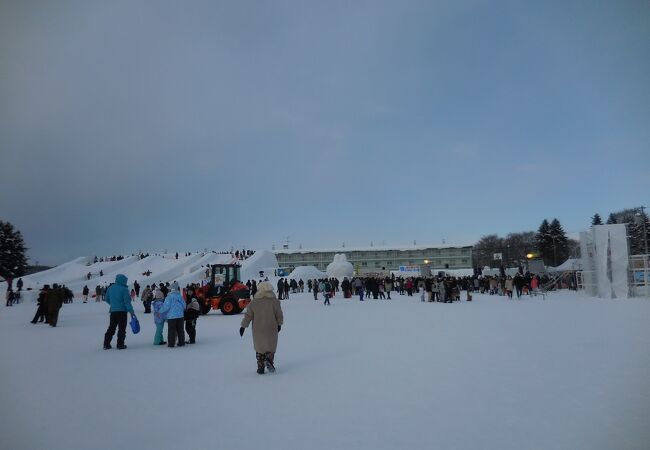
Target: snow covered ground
[565,373]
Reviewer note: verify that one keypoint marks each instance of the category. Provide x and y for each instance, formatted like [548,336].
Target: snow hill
[164,268]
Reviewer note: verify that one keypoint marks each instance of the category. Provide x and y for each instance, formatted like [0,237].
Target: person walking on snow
[265,312]
[117,296]
[174,307]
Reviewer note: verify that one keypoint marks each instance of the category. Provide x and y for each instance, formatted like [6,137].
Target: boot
[269,362]
[260,362]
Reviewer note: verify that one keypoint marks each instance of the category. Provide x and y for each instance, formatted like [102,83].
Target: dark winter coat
[54,300]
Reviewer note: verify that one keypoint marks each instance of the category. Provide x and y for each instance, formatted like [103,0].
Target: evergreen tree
[644,228]
[545,242]
[596,220]
[559,241]
[638,225]
[13,261]
[611,219]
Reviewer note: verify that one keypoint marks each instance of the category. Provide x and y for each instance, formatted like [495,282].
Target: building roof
[366,249]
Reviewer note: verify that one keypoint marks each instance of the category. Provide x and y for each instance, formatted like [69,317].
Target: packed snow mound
[305,273]
[340,267]
[261,261]
[152,269]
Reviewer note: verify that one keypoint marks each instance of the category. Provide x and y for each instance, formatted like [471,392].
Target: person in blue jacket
[174,307]
[117,295]
[158,317]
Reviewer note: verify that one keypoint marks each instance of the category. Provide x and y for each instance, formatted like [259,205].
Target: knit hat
[175,286]
[263,287]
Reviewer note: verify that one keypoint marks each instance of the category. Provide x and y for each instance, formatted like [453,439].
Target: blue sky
[182,125]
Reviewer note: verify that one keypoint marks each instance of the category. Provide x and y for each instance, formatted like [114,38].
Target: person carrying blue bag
[117,296]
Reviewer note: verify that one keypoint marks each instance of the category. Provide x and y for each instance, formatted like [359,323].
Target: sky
[132,126]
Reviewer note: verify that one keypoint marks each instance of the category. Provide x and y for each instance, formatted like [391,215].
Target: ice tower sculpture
[605,261]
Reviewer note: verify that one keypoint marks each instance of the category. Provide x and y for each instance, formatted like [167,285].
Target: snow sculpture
[340,267]
[305,273]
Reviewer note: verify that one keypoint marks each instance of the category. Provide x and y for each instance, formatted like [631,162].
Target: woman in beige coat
[266,314]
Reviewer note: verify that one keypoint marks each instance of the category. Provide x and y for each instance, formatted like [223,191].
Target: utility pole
[645,233]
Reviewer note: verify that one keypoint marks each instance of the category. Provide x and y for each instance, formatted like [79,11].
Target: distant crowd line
[444,289]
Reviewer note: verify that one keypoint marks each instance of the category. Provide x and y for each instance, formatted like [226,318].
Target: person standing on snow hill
[174,307]
[265,312]
[85,293]
[117,295]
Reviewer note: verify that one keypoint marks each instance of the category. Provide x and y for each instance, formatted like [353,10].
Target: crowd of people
[13,297]
[181,310]
[49,303]
[444,289]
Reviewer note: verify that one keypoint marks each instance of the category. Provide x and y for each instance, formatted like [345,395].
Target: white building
[380,259]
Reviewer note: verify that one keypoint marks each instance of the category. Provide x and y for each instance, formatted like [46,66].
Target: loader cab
[222,277]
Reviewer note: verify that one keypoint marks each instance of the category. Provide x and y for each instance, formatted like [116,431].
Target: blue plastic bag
[135,325]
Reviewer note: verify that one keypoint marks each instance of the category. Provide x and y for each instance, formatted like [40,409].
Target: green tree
[596,220]
[611,219]
[639,232]
[13,261]
[545,242]
[559,241]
